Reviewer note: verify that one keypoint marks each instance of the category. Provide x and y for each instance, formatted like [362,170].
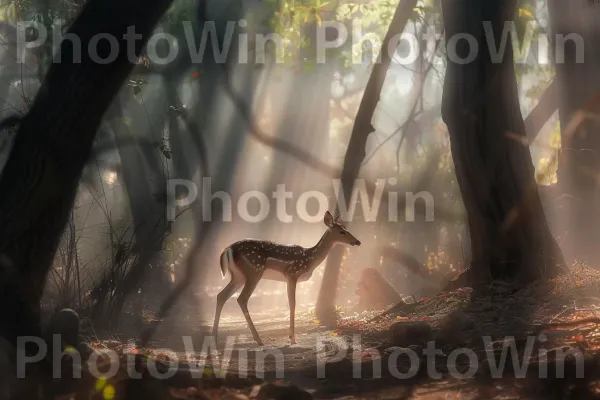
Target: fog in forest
[235,128]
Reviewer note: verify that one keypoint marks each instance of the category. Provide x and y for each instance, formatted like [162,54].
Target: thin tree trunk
[509,234]
[53,143]
[355,154]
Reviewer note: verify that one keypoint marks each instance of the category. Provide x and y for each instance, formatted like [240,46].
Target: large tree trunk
[510,238]
[53,143]
[355,154]
[579,163]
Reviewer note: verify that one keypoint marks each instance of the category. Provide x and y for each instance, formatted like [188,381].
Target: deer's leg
[243,302]
[291,289]
[222,298]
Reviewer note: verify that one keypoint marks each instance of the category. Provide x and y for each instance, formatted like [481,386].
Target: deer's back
[263,249]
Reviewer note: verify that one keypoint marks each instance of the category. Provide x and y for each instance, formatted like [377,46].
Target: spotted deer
[248,261]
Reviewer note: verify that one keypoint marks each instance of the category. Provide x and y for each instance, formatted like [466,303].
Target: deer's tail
[226,260]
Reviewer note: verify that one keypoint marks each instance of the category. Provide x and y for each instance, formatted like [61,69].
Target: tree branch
[544,109]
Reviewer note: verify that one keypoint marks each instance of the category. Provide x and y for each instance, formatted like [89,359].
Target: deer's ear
[328,220]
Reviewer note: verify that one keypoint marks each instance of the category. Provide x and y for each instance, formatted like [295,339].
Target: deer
[251,260]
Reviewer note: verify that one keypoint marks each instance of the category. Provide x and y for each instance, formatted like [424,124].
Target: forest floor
[365,356]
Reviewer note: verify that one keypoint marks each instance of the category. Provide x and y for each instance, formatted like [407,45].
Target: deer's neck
[319,251]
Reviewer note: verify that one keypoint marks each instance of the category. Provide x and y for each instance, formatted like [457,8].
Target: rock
[235,396]
[336,389]
[237,382]
[66,324]
[336,369]
[275,392]
[195,393]
[414,348]
[405,334]
[460,319]
[454,327]
[86,351]
[374,291]
[391,350]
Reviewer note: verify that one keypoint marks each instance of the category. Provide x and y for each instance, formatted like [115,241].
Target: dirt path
[302,364]
[564,310]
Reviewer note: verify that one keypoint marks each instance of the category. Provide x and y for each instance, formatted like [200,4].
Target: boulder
[375,292]
[454,328]
[270,391]
[405,334]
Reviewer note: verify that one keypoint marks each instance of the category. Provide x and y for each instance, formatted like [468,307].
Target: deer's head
[338,232]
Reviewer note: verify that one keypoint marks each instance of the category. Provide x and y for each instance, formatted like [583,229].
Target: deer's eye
[342,233]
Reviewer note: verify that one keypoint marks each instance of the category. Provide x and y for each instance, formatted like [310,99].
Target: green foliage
[373,20]
[182,10]
[536,90]
[528,31]
[547,167]
[289,19]
[525,15]
[8,11]
[378,12]
[293,20]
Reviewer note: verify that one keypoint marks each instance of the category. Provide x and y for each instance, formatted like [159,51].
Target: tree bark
[53,143]
[542,112]
[510,238]
[355,154]
[578,83]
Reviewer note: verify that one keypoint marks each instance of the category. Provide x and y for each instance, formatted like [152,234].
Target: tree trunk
[510,238]
[578,164]
[355,154]
[53,143]
[144,177]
